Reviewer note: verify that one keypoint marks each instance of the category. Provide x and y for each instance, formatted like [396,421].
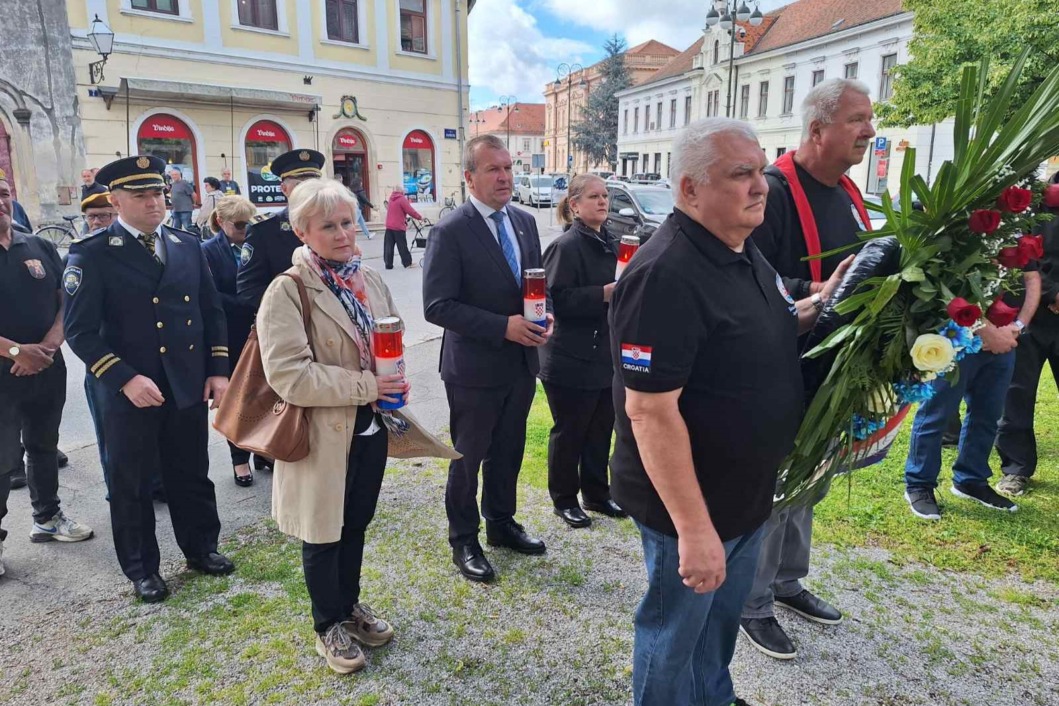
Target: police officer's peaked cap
[133,173]
[100,200]
[299,163]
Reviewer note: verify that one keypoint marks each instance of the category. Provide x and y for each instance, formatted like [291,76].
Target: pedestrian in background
[356,185]
[229,187]
[212,194]
[398,209]
[182,199]
[576,369]
[229,220]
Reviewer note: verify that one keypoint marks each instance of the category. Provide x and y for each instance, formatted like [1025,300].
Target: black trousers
[1015,440]
[142,444]
[488,426]
[31,409]
[332,571]
[579,444]
[400,239]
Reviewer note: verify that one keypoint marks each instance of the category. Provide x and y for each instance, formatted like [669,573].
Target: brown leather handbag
[252,416]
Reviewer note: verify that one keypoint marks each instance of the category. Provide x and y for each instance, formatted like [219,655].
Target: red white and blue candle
[629,245]
[388,338]
[535,297]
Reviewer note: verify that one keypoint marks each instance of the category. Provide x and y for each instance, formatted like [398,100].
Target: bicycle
[450,205]
[60,234]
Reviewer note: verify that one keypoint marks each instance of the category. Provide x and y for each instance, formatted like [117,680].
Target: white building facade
[649,118]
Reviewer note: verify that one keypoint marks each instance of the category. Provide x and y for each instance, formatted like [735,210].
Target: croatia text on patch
[636,358]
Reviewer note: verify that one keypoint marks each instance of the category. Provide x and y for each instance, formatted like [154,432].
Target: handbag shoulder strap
[307,307]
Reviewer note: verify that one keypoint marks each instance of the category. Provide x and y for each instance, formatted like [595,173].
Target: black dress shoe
[63,459]
[213,564]
[811,607]
[513,536]
[574,516]
[607,507]
[471,561]
[151,589]
[243,481]
[767,636]
[263,464]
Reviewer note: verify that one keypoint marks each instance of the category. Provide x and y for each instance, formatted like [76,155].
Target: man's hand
[999,340]
[836,277]
[1054,306]
[702,561]
[31,359]
[142,392]
[215,388]
[527,333]
[608,291]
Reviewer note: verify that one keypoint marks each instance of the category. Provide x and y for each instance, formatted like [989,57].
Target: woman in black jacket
[576,368]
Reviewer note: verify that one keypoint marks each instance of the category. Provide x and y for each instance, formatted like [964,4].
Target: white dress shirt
[159,241]
[487,211]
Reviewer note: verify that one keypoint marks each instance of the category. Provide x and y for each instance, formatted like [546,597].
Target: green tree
[951,34]
[596,132]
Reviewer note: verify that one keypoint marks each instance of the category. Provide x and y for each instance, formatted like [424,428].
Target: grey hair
[821,103]
[315,196]
[694,150]
[470,150]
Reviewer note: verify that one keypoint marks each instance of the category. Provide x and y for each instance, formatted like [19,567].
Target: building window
[669,163]
[716,103]
[418,163]
[788,95]
[170,139]
[673,113]
[716,50]
[658,163]
[744,101]
[167,7]
[780,151]
[687,110]
[414,26]
[349,153]
[636,120]
[851,70]
[258,13]
[886,82]
[265,140]
[342,21]
[763,99]
[625,122]
[818,76]
[646,118]
[658,116]
[646,164]
[526,145]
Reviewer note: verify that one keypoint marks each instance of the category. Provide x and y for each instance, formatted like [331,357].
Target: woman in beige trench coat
[328,498]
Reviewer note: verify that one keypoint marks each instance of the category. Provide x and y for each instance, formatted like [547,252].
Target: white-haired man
[704,334]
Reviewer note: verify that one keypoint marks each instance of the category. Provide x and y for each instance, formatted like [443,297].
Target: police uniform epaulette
[90,240]
[259,217]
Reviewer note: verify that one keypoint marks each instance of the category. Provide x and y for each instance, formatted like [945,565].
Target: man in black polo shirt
[32,375]
[709,401]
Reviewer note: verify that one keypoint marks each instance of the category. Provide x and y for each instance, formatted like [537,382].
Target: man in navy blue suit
[472,287]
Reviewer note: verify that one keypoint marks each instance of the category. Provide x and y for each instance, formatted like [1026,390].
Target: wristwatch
[1020,326]
[13,351]
[817,301]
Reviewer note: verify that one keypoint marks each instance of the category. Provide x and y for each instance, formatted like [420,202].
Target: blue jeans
[182,219]
[363,225]
[983,382]
[684,640]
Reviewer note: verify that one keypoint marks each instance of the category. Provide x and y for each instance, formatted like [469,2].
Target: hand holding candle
[629,245]
[388,339]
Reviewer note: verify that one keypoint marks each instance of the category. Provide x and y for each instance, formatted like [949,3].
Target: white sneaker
[60,528]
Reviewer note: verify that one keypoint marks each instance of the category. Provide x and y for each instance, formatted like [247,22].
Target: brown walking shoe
[342,654]
[364,627]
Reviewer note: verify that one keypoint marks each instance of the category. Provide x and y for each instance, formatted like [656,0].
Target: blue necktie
[506,245]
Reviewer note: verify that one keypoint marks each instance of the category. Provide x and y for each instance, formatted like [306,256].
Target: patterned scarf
[346,281]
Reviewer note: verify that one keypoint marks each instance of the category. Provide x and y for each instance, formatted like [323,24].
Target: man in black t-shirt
[708,398]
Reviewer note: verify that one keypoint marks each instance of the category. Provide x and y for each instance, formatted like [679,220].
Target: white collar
[136,232]
[485,209]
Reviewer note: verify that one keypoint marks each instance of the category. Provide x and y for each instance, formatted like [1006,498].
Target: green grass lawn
[869,509]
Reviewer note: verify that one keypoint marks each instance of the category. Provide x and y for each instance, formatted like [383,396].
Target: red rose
[1032,247]
[1014,200]
[963,312]
[1000,314]
[984,221]
[1013,258]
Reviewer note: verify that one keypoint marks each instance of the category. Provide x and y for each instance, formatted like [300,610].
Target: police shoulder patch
[246,253]
[72,279]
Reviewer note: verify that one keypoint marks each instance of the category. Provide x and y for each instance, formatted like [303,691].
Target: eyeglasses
[239,225]
[99,217]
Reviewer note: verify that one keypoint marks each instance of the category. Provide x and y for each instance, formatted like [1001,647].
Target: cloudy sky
[515,45]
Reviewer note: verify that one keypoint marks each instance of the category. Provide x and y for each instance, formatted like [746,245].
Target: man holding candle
[472,287]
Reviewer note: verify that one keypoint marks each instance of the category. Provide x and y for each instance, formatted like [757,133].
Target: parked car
[664,183]
[534,190]
[602,173]
[645,178]
[636,209]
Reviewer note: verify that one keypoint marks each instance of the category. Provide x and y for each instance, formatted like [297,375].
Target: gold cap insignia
[143,162]
[303,156]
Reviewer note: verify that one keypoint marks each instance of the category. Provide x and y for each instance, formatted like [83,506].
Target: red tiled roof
[653,47]
[679,64]
[808,19]
[527,120]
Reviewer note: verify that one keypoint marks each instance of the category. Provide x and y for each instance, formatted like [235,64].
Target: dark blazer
[579,262]
[469,290]
[267,252]
[238,314]
[126,315]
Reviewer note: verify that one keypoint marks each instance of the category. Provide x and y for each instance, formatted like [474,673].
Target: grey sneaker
[60,528]
[1012,485]
[342,654]
[923,503]
[984,495]
[368,629]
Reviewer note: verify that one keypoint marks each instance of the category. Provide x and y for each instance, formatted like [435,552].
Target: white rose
[882,400]
[932,353]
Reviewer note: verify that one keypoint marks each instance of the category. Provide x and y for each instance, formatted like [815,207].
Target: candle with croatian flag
[534,297]
[389,353]
[628,248]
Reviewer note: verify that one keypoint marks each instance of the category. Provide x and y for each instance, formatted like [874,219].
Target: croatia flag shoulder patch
[636,358]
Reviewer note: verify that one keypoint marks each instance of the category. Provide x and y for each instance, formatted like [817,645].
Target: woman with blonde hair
[328,499]
[576,368]
[228,219]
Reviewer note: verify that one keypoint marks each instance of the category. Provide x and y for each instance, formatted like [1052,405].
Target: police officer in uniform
[144,316]
[270,243]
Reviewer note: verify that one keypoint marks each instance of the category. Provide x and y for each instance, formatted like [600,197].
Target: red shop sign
[349,141]
[418,140]
[267,131]
[165,127]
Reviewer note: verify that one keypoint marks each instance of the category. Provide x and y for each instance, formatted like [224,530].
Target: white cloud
[509,55]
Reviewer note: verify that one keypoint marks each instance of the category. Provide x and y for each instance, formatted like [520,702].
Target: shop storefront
[170,139]
[349,153]
[419,170]
[265,140]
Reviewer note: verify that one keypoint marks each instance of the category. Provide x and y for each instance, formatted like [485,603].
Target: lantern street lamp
[741,13]
[566,71]
[103,42]
[510,104]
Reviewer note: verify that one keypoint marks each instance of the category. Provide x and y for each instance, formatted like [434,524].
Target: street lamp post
[510,104]
[742,14]
[566,71]
[476,121]
[102,39]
